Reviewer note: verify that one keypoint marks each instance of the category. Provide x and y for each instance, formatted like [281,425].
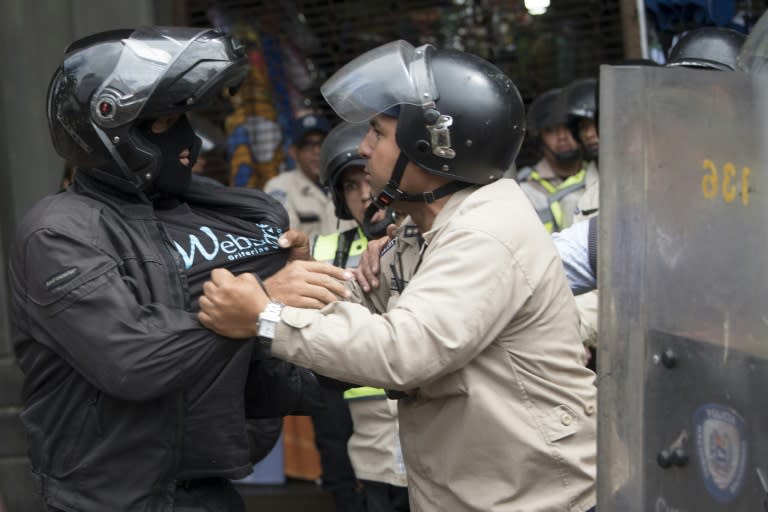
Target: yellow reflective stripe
[573,182]
[574,179]
[325,246]
[363,392]
[544,183]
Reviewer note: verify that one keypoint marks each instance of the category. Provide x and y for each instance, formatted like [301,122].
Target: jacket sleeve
[573,246]
[70,296]
[451,310]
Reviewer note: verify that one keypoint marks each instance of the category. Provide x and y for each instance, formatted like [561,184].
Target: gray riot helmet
[111,84]
[714,48]
[578,100]
[459,116]
[544,112]
[339,152]
[753,57]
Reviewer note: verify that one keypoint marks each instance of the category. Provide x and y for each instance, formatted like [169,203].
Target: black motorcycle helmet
[714,48]
[338,152]
[452,108]
[112,83]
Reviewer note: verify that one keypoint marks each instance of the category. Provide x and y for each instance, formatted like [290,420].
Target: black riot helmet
[338,152]
[459,116]
[111,84]
[578,100]
[544,112]
[714,48]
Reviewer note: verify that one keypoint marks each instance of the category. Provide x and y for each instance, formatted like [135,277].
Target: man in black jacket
[130,404]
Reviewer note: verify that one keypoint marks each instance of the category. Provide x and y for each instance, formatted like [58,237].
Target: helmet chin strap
[392,192]
[377,229]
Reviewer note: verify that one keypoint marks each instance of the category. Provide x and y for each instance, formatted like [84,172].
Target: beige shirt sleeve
[451,310]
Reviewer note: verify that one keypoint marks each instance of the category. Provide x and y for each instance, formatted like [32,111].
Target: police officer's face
[588,133]
[307,155]
[558,139]
[380,148]
[357,191]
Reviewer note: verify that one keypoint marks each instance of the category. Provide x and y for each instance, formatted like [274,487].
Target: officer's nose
[366,145]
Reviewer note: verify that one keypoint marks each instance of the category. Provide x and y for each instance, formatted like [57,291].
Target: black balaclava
[564,157]
[173,178]
[591,154]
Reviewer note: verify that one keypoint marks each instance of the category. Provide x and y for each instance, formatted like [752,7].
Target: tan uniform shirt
[310,209]
[503,413]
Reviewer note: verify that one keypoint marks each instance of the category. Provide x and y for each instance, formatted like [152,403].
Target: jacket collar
[448,211]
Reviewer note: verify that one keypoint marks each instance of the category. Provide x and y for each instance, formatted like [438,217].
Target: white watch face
[267,329]
[268,320]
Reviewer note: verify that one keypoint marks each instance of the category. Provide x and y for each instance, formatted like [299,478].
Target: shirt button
[590,410]
[566,419]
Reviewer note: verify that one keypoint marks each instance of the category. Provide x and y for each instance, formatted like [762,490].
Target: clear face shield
[392,74]
[753,57]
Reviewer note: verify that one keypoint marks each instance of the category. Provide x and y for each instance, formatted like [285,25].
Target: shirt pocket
[559,423]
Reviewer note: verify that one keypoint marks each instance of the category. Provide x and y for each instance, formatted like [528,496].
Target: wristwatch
[268,320]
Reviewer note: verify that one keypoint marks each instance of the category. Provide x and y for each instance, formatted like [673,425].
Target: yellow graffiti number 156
[728,189]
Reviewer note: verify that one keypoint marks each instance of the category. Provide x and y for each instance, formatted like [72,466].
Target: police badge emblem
[721,445]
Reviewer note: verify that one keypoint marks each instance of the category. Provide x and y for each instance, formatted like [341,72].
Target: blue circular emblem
[721,446]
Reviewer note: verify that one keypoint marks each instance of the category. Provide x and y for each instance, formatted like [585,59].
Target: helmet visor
[392,74]
[150,56]
[753,57]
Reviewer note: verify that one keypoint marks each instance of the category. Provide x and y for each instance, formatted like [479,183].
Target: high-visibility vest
[344,249]
[364,392]
[552,215]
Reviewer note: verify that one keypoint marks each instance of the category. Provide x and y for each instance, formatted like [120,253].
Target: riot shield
[683,415]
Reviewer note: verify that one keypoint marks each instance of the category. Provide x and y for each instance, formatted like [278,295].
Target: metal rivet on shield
[148,176]
[669,358]
[116,140]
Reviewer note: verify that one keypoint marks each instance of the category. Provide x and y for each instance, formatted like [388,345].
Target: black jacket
[105,337]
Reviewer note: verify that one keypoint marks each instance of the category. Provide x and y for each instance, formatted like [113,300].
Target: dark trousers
[333,428]
[204,495]
[381,497]
[208,495]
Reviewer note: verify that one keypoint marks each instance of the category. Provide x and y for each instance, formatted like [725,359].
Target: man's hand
[231,305]
[308,284]
[298,243]
[367,272]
